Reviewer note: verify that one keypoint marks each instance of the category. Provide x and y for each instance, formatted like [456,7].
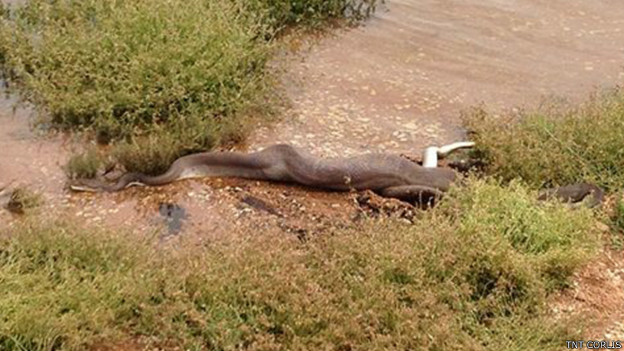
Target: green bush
[474,273]
[135,63]
[311,13]
[153,68]
[172,70]
[85,164]
[555,146]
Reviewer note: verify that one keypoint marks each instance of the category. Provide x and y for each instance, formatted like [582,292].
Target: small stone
[411,125]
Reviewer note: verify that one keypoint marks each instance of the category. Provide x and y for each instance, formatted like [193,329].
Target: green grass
[23,200]
[475,273]
[617,222]
[555,145]
[85,164]
[311,13]
[135,63]
[190,73]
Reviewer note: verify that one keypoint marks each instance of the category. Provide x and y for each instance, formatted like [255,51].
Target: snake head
[86,185]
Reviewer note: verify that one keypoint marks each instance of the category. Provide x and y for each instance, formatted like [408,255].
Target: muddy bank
[396,84]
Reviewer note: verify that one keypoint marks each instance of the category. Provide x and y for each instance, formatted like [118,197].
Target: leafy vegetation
[555,145]
[474,273]
[172,77]
[617,222]
[22,200]
[85,164]
[311,13]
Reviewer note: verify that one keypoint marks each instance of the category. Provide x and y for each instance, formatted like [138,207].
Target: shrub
[135,63]
[311,13]
[555,146]
[85,164]
[153,68]
[473,274]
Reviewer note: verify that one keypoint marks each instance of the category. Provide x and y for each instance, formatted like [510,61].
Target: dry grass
[474,273]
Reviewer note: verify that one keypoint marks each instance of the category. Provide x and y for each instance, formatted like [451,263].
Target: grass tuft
[474,273]
[22,200]
[555,146]
[86,164]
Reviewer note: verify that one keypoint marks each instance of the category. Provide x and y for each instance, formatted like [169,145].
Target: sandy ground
[396,84]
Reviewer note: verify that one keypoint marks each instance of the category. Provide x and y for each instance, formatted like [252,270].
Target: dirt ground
[396,84]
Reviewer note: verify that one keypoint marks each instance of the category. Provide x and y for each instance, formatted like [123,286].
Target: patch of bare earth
[396,84]
[596,298]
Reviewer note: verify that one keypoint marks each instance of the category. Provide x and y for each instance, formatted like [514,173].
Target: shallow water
[399,82]
[173,216]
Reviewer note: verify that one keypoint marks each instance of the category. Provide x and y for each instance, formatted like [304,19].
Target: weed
[555,146]
[22,200]
[85,164]
[474,273]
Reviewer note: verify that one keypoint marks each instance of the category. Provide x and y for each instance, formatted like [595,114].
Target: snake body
[386,174]
[575,193]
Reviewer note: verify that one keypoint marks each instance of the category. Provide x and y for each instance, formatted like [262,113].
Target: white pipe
[430,157]
[447,149]
[433,153]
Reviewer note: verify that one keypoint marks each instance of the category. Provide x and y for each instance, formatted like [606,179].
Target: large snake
[385,174]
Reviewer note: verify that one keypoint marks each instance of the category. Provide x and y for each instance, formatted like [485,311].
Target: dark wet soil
[173,215]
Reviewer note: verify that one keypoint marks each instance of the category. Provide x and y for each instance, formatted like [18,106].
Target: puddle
[29,157]
[173,216]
